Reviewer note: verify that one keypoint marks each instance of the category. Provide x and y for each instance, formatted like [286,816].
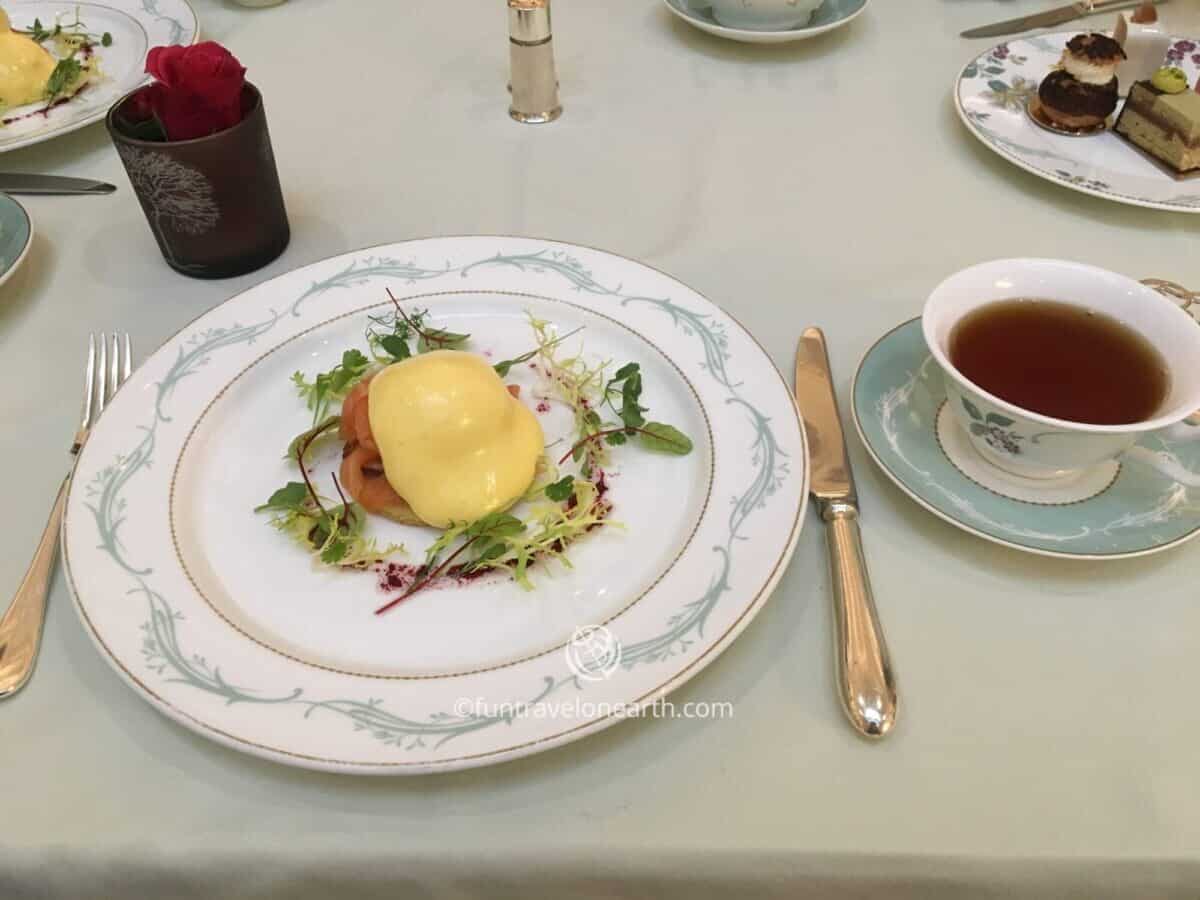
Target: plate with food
[1115,116]
[435,505]
[62,65]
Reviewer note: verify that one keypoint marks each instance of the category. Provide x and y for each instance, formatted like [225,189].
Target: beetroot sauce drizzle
[392,577]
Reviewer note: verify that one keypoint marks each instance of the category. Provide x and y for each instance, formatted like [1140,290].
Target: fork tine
[89,384]
[114,366]
[127,368]
[102,375]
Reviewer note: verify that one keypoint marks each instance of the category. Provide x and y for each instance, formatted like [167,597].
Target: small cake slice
[1162,117]
[1081,91]
[1145,42]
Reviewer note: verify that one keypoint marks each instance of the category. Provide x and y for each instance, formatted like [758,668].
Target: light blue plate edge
[16,232]
[1093,529]
[830,13]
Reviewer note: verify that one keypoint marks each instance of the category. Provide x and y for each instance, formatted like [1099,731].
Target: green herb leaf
[631,392]
[495,525]
[38,33]
[625,371]
[562,489]
[616,438]
[64,77]
[334,551]
[664,438]
[289,497]
[395,346]
[333,385]
[440,339]
[106,39]
[493,552]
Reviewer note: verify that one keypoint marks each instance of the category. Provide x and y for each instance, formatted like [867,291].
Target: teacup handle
[1189,428]
[1185,300]
[1173,291]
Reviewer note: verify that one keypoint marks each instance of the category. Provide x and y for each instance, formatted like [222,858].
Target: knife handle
[866,684]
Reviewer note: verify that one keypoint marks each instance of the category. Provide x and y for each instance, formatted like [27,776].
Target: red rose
[142,104]
[199,91]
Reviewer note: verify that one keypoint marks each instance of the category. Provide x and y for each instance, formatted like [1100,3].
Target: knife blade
[26,183]
[866,683]
[1050,17]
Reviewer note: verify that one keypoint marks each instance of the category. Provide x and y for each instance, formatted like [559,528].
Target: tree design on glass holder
[177,197]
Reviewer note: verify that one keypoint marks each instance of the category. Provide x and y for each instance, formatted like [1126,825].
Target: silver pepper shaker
[534,81]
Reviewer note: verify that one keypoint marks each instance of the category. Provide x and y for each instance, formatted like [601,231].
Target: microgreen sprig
[328,387]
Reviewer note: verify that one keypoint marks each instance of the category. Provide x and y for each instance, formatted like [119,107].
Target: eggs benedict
[455,444]
[25,67]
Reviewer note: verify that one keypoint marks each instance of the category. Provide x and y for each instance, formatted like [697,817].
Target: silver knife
[1051,17]
[20,183]
[866,685]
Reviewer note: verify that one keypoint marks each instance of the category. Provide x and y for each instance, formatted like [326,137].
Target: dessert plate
[830,15]
[898,403]
[225,626]
[16,236]
[990,96]
[135,26]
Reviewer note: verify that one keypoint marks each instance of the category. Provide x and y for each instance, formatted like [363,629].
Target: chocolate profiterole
[1081,92]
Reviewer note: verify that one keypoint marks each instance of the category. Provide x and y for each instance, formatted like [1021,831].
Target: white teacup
[1032,445]
[761,15]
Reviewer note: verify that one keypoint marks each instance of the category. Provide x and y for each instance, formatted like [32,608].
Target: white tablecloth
[1048,737]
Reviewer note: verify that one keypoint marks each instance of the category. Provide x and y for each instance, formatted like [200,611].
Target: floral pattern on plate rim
[164,647]
[1007,91]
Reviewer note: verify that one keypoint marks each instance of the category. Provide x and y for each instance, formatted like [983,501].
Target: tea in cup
[1053,367]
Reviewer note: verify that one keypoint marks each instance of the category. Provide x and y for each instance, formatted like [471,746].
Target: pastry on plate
[1081,92]
[1162,118]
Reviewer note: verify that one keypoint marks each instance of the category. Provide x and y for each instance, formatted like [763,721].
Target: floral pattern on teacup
[994,429]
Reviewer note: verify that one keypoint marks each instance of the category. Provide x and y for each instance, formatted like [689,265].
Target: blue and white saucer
[16,235]
[830,15]
[1127,509]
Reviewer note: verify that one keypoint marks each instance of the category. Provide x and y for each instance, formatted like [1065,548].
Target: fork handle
[21,627]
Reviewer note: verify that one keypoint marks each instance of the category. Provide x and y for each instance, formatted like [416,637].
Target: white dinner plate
[135,26]
[228,628]
[990,96]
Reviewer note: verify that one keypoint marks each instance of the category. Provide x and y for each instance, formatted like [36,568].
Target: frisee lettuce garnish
[328,387]
[333,534]
[586,391]
[557,510]
[503,541]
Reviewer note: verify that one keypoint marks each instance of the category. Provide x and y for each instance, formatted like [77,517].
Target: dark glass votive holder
[213,203]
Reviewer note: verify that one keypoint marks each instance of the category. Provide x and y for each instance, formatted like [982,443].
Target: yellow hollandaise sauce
[455,444]
[25,67]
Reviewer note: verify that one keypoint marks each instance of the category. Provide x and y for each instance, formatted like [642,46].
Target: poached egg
[25,67]
[455,443]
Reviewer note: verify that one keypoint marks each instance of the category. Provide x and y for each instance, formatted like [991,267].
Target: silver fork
[109,363]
